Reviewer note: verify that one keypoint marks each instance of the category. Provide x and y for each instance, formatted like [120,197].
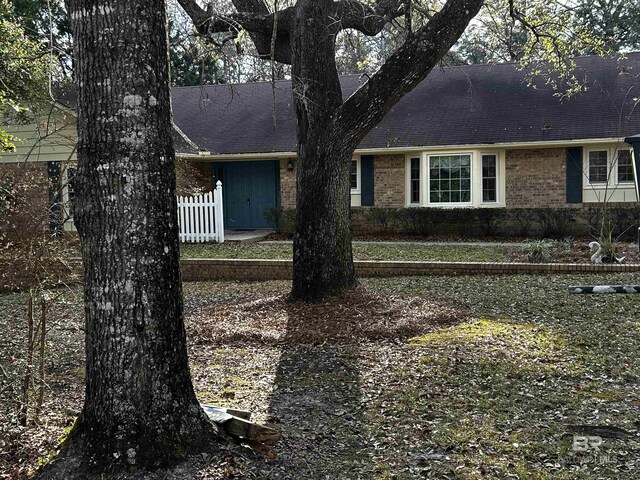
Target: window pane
[625,168]
[354,175]
[598,163]
[450,179]
[415,180]
[489,178]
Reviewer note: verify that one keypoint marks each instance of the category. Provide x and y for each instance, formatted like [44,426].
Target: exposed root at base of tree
[353,317]
[72,462]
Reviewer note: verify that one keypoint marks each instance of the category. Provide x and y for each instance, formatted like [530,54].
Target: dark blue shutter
[366,180]
[574,175]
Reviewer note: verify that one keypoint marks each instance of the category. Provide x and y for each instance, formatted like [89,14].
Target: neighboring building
[468,136]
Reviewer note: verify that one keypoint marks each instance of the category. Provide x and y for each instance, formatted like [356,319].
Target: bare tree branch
[404,70]
[366,19]
[252,16]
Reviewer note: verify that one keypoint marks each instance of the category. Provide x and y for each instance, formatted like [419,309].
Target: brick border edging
[203,269]
[249,269]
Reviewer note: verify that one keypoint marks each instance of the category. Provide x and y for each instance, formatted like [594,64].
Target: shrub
[554,222]
[520,221]
[490,220]
[384,218]
[615,222]
[274,217]
[416,221]
[280,219]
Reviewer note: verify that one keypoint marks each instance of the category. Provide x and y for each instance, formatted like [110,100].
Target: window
[625,167]
[598,166]
[71,190]
[414,180]
[450,179]
[489,178]
[354,175]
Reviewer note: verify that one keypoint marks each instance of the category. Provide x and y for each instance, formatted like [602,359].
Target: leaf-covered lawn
[496,393]
[361,251]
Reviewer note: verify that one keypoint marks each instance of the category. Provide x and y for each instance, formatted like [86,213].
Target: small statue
[598,257]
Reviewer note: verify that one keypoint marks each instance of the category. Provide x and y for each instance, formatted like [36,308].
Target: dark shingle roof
[454,106]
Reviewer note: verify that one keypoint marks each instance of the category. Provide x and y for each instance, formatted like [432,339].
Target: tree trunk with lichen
[140,408]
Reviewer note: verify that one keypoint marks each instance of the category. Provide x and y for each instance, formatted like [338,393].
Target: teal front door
[248,189]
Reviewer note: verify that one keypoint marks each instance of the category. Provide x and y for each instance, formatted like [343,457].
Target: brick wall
[536,178]
[196,270]
[287,184]
[27,212]
[389,181]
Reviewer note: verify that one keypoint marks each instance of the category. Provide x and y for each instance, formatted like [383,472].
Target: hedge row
[473,222]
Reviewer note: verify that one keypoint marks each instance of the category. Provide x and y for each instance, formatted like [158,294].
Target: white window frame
[586,166]
[427,165]
[617,165]
[497,159]
[358,176]
[69,224]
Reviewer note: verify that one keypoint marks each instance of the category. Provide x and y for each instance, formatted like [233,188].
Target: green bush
[490,220]
[383,218]
[555,222]
[620,222]
[520,221]
[280,219]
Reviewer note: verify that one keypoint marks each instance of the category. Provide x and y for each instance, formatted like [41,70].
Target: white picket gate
[200,217]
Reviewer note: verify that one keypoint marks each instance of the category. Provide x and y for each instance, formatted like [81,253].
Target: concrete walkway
[245,235]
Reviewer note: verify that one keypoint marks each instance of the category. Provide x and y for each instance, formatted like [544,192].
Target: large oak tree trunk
[322,256]
[140,409]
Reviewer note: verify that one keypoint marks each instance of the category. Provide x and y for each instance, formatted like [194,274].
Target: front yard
[429,377]
[567,251]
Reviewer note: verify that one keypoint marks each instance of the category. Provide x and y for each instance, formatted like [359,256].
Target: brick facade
[287,185]
[27,213]
[389,181]
[536,178]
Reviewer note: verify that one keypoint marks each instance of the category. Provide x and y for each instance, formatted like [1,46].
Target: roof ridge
[438,67]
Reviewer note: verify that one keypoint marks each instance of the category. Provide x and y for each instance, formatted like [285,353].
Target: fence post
[219,213]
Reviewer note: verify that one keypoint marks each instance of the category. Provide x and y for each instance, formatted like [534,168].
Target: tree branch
[254,17]
[403,71]
[365,18]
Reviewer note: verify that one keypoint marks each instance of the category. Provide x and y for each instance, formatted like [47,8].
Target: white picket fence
[200,217]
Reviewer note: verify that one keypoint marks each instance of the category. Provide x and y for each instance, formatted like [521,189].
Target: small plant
[274,216]
[537,251]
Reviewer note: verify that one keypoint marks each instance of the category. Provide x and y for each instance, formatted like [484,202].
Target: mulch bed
[350,318]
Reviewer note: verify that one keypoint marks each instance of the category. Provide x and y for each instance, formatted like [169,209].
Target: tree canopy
[24,68]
